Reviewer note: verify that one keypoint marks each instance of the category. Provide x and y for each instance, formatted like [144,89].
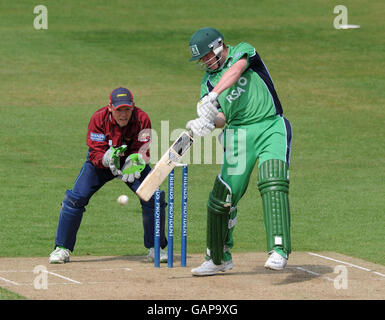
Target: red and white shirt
[104,131]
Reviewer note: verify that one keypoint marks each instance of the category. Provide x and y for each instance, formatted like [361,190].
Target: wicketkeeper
[118,137]
[237,91]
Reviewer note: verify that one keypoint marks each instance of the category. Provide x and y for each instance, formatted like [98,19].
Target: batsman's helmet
[205,40]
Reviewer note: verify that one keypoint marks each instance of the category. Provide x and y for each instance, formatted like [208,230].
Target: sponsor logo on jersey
[236,93]
[144,137]
[232,60]
[97,136]
[239,54]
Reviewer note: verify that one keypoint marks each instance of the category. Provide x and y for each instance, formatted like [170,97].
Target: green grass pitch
[330,82]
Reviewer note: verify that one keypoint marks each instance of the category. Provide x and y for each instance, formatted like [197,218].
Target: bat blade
[164,166]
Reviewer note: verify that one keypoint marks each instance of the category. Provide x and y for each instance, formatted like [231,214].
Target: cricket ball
[122,200]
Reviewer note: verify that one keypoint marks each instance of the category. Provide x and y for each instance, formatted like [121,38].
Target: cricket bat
[164,166]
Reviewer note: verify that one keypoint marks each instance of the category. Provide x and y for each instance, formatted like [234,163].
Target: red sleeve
[96,139]
[141,143]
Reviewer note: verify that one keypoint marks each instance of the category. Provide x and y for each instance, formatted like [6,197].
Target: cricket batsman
[118,137]
[238,93]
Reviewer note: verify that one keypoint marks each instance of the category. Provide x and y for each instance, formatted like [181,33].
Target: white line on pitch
[339,261]
[313,273]
[379,274]
[63,277]
[71,270]
[113,269]
[347,263]
[9,281]
[308,271]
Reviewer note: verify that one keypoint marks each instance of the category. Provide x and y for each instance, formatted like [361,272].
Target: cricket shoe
[59,255]
[209,268]
[151,255]
[276,261]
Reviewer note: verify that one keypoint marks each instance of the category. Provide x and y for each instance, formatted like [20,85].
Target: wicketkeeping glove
[132,167]
[200,126]
[207,106]
[111,159]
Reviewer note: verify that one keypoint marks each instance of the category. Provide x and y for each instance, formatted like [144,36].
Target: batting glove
[207,106]
[200,127]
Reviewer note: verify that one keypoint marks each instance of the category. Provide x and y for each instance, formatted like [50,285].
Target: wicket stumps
[157,228]
[170,219]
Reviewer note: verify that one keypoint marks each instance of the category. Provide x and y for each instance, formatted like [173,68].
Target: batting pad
[273,185]
[218,214]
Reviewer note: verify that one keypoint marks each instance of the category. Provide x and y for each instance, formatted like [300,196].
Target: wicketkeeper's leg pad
[71,214]
[218,213]
[273,184]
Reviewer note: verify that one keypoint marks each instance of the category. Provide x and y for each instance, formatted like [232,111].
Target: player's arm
[96,141]
[231,76]
[207,105]
[142,140]
[100,153]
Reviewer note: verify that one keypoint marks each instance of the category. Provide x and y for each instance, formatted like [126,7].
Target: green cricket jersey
[253,97]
